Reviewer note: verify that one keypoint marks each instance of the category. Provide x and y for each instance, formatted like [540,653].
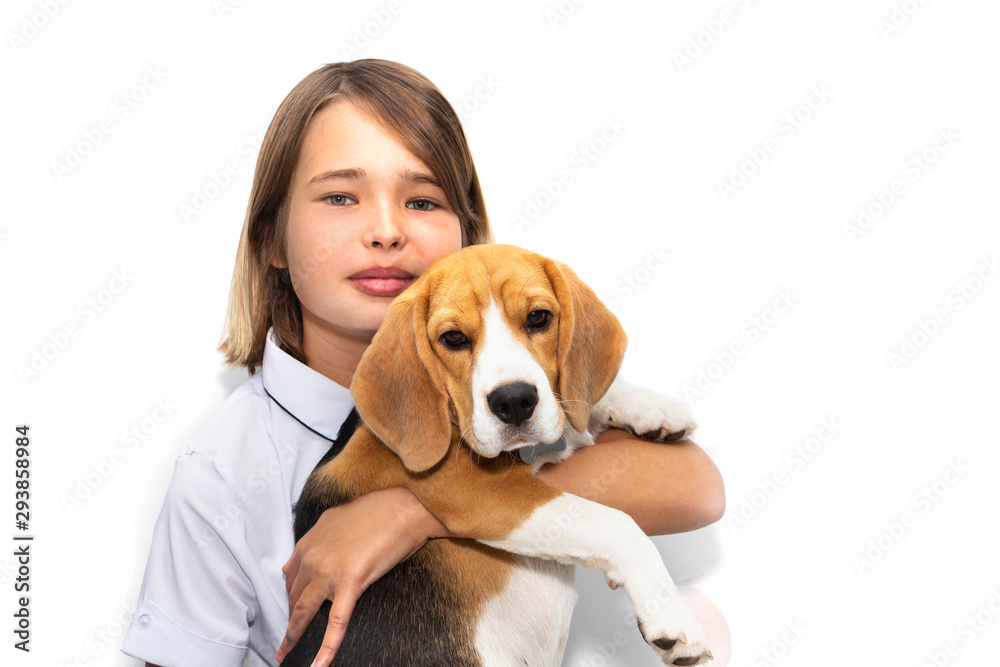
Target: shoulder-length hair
[414,112]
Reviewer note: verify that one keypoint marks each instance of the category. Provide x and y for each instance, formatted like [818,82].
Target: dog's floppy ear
[591,344]
[396,387]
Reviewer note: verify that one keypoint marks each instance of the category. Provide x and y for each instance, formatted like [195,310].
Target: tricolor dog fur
[493,349]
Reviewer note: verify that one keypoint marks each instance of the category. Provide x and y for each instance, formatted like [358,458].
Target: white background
[788,550]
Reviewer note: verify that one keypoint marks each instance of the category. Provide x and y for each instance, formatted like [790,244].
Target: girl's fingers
[295,590]
[336,628]
[308,603]
[291,565]
[291,571]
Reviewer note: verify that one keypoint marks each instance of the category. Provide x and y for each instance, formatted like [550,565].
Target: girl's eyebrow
[419,177]
[352,174]
[357,173]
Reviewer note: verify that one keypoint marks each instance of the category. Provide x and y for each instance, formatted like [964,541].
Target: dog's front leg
[570,529]
[512,510]
[647,414]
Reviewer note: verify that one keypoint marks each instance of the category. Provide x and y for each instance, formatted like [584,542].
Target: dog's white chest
[528,623]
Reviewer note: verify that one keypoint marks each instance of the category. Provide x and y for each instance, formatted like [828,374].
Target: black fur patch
[411,617]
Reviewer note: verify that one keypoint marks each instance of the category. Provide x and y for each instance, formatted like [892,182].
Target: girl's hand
[348,549]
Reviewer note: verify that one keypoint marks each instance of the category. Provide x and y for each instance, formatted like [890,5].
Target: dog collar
[528,454]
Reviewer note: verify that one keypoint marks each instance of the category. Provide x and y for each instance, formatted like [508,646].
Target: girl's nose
[386,229]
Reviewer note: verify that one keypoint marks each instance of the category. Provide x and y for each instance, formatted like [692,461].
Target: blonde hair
[411,109]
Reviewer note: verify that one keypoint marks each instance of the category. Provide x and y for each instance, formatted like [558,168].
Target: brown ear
[591,344]
[396,387]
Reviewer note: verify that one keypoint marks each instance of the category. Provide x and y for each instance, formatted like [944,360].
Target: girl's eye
[421,205]
[454,338]
[539,319]
[340,200]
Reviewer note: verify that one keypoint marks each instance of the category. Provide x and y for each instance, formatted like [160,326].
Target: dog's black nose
[513,403]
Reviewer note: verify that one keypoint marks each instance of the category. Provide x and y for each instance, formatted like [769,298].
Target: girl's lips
[382,286]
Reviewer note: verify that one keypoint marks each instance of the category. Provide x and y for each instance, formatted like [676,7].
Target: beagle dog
[493,351]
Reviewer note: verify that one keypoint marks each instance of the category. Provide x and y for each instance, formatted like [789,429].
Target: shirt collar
[312,398]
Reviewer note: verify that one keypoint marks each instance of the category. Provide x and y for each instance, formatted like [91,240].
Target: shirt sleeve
[196,603]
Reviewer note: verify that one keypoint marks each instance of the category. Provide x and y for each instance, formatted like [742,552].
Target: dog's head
[501,342]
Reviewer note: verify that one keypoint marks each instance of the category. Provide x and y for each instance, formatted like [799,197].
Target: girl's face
[365,218]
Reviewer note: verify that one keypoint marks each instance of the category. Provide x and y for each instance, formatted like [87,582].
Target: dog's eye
[454,338]
[539,319]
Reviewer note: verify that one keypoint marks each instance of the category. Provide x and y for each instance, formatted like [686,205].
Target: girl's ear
[397,390]
[277,260]
[591,344]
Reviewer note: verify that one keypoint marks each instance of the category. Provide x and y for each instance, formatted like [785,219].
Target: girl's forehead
[340,136]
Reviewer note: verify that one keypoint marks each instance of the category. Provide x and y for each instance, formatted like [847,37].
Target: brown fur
[415,398]
[580,352]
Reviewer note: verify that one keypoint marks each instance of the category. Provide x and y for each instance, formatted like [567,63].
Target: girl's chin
[371,316]
[353,318]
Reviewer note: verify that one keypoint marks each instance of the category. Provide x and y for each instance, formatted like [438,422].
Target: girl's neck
[332,352]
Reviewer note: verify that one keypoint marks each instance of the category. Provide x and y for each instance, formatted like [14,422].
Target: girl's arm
[666,488]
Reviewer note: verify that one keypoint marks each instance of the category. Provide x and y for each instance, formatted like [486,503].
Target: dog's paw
[647,414]
[682,651]
[678,639]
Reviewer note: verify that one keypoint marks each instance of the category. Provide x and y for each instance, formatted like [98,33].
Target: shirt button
[143,620]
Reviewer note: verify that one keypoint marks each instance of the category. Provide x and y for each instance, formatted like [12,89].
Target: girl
[363,179]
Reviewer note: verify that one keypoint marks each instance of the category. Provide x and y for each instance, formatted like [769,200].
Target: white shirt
[213,592]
